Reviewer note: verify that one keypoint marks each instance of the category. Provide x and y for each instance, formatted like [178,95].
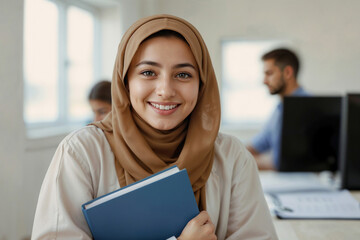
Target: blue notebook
[156,207]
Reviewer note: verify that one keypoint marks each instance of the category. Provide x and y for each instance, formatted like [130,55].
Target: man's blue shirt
[270,137]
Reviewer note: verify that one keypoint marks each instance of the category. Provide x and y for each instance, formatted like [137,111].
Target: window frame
[62,124]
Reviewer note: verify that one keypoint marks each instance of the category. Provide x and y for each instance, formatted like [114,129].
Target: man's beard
[280,88]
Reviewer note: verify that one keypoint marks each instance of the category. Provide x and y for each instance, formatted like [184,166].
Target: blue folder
[155,211]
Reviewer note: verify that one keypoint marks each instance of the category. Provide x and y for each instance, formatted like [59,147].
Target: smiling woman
[165,112]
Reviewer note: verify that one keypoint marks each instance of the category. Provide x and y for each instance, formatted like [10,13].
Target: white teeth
[163,107]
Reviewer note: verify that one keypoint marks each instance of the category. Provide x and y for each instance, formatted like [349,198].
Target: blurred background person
[281,67]
[100,99]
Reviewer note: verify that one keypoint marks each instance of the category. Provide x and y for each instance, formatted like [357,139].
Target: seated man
[281,67]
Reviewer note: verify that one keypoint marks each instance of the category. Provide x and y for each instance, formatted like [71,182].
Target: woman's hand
[200,228]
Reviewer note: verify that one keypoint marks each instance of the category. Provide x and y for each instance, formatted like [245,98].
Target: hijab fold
[141,150]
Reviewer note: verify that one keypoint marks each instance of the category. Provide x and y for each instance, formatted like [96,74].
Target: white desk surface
[318,229]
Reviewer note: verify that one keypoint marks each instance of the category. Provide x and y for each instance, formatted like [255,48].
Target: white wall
[11,123]
[110,37]
[325,32]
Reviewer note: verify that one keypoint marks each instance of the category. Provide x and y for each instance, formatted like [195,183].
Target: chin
[275,92]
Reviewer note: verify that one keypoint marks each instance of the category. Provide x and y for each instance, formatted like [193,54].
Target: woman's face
[100,109]
[163,80]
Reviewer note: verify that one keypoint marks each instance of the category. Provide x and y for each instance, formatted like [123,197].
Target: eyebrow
[180,65]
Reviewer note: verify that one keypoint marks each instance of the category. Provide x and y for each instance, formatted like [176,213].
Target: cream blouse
[83,168]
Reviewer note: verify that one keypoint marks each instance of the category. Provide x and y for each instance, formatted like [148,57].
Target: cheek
[191,95]
[136,90]
[272,79]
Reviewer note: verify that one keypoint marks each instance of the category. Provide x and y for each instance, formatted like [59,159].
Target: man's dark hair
[101,91]
[283,57]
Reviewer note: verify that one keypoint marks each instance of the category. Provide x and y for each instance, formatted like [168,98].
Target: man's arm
[264,161]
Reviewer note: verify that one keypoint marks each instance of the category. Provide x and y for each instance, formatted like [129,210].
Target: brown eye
[148,73]
[183,75]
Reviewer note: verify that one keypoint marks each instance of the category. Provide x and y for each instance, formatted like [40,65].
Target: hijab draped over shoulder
[141,150]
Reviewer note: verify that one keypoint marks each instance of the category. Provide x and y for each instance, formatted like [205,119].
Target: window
[245,99]
[60,52]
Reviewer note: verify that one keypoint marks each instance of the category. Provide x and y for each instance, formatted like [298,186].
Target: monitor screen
[310,134]
[350,142]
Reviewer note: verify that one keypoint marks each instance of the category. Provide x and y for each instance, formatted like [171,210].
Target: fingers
[200,227]
[209,230]
[201,219]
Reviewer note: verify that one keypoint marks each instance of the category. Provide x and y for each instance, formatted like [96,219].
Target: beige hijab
[141,150]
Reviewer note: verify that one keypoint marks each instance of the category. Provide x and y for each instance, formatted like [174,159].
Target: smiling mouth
[164,107]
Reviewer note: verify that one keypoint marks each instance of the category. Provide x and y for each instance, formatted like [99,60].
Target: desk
[310,229]
[318,229]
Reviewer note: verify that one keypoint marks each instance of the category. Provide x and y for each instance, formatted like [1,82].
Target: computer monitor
[310,134]
[350,142]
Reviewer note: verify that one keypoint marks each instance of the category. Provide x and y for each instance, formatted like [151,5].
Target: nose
[265,80]
[165,87]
